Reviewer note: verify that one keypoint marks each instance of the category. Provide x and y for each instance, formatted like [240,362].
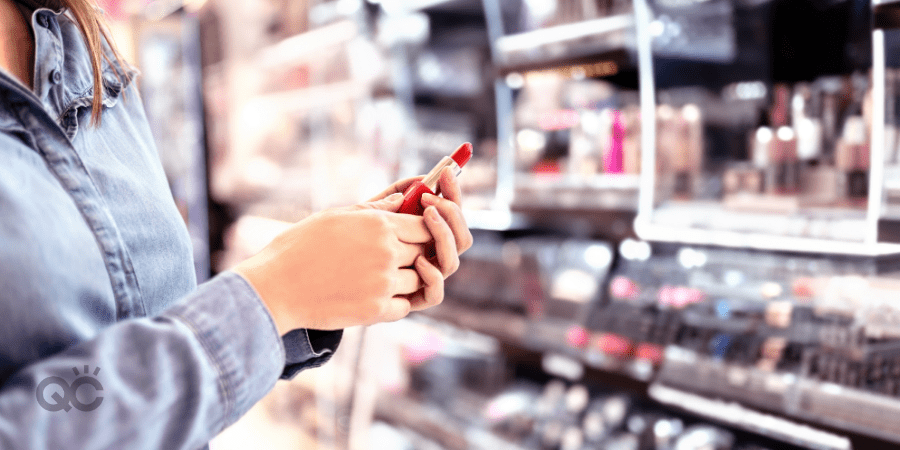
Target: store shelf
[427,420]
[762,241]
[494,220]
[601,192]
[850,409]
[569,41]
[307,46]
[607,39]
[738,416]
[506,326]
[306,98]
[564,33]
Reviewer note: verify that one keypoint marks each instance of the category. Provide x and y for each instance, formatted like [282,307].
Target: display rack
[816,229]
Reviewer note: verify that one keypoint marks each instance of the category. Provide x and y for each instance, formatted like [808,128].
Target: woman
[96,278]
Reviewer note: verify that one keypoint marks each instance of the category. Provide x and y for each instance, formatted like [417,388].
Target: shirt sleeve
[169,382]
[306,348]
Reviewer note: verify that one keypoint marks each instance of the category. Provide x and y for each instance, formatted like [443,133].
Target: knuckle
[438,293]
[405,308]
[385,285]
[468,241]
[380,287]
[454,266]
[384,220]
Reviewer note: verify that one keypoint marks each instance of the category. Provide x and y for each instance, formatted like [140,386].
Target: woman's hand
[341,267]
[361,264]
[452,237]
[396,188]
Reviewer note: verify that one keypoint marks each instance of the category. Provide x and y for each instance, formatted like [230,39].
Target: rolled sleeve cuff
[307,348]
[239,336]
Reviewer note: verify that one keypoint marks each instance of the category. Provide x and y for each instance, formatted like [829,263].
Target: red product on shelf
[614,345]
[649,352]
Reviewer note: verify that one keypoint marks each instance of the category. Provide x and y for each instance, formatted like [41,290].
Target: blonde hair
[90,22]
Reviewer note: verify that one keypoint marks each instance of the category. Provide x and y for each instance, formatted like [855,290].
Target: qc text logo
[69,397]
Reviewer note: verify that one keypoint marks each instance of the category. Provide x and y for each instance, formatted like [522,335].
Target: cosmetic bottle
[784,168]
[852,159]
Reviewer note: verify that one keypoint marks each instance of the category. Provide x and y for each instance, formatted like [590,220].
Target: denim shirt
[97,280]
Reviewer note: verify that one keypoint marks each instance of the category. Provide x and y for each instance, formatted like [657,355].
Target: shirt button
[55,76]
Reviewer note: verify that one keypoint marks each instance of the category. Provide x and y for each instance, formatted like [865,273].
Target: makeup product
[852,158]
[784,166]
[412,198]
[613,159]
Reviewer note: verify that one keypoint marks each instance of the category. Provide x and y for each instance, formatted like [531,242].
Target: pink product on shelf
[613,160]
[418,351]
[679,296]
[577,336]
[623,288]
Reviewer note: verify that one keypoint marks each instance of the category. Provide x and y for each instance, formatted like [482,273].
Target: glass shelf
[761,147]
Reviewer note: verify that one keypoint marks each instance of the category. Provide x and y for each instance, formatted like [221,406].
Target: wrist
[254,276]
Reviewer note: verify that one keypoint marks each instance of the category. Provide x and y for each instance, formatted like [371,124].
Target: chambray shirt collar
[63,77]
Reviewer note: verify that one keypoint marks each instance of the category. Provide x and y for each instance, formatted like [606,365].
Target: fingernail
[394,197]
[429,198]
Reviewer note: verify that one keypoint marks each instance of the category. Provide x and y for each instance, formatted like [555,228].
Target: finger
[448,186]
[410,229]
[407,254]
[398,187]
[406,282]
[391,203]
[432,294]
[444,242]
[394,309]
[453,215]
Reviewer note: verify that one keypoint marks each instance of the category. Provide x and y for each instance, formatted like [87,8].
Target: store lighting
[690,258]
[785,133]
[764,135]
[597,256]
[515,80]
[690,112]
[749,90]
[635,250]
[657,28]
[530,140]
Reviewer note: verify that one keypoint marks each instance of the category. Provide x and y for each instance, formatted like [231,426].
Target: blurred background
[686,212]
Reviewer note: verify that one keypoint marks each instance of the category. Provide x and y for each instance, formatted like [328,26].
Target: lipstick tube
[412,198]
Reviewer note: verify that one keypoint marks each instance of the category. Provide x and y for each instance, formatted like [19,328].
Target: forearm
[169,382]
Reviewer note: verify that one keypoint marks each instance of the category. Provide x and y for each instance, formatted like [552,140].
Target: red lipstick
[412,198]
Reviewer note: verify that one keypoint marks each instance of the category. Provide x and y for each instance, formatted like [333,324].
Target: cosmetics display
[577,142]
[469,396]
[544,284]
[785,125]
[808,163]
[803,337]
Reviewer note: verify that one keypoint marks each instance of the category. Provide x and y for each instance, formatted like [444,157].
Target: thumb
[391,203]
